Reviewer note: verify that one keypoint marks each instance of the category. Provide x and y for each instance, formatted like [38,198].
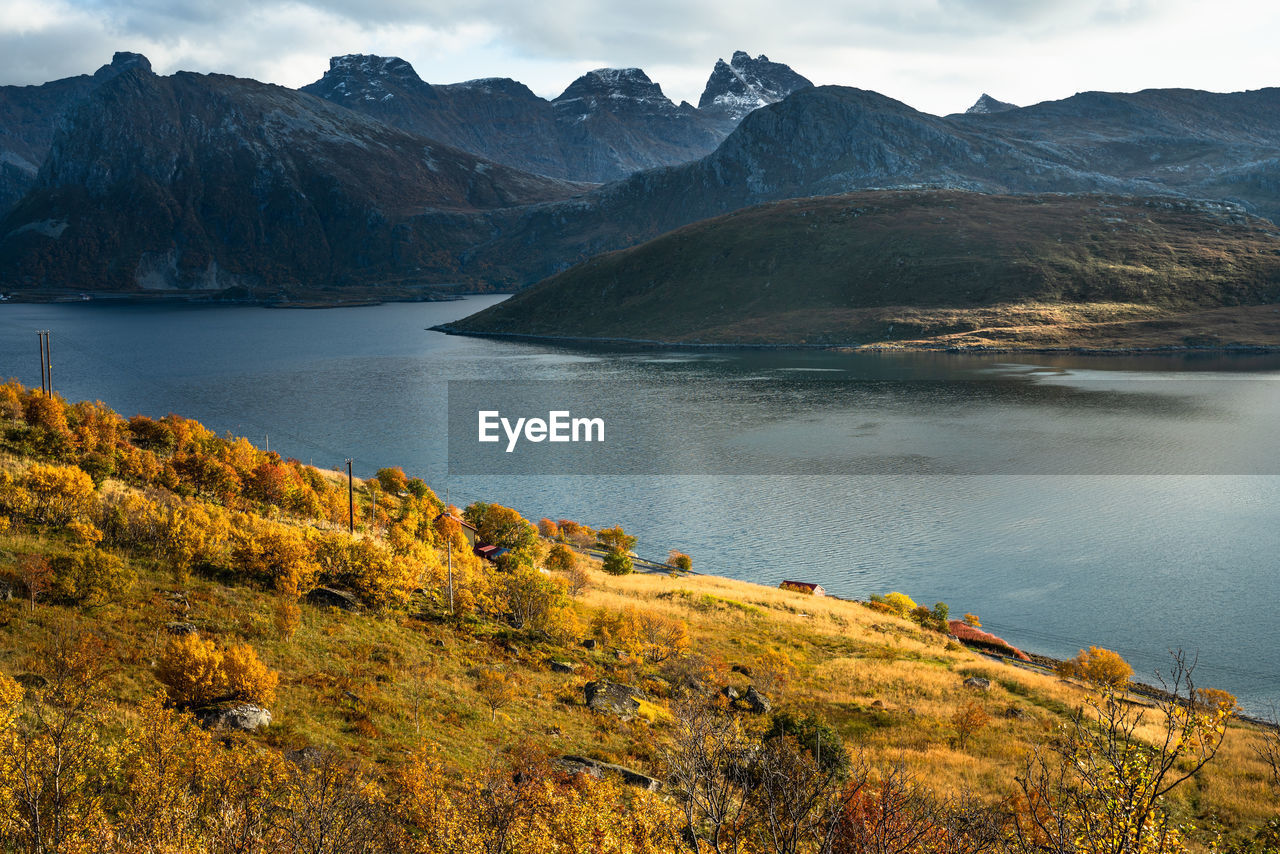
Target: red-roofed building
[803,587]
[468,530]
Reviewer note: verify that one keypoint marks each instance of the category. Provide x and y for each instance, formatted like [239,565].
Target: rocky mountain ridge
[284,189]
[29,116]
[605,125]
[207,182]
[743,84]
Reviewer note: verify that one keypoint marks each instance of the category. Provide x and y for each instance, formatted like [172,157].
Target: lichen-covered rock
[327,597]
[978,683]
[597,769]
[756,701]
[245,717]
[611,698]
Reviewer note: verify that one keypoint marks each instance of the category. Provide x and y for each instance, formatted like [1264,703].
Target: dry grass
[352,681]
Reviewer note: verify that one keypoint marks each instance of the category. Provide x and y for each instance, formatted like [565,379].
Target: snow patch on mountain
[743,84]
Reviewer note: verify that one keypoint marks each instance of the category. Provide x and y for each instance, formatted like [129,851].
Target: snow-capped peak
[743,84]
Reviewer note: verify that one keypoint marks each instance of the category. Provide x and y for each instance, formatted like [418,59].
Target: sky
[936,55]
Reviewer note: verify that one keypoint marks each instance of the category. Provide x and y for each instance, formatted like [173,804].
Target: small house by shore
[803,587]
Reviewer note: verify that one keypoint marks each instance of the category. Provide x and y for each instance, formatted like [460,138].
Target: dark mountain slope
[29,115]
[207,182]
[876,266]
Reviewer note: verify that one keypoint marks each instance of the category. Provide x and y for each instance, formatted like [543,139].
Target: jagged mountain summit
[743,84]
[30,114]
[607,124]
[208,183]
[986,105]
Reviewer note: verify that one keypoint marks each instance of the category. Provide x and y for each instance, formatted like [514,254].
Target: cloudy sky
[937,55]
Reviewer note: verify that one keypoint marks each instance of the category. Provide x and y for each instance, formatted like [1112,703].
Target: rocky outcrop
[743,85]
[986,105]
[597,769]
[29,117]
[179,629]
[756,702]
[242,717]
[611,698]
[327,597]
[978,683]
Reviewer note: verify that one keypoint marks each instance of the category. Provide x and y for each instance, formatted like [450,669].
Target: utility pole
[449,528]
[351,502]
[44,384]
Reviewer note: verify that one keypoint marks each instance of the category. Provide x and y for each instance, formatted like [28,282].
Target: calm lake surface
[1132,503]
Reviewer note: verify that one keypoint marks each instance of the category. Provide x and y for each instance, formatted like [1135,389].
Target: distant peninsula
[941,269]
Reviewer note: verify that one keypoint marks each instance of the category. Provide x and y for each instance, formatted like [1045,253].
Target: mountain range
[373,179]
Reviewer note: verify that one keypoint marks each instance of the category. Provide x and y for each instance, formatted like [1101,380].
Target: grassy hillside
[184,528]
[927,268]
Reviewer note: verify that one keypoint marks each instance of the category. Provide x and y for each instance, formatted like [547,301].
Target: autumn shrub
[287,617]
[967,719]
[276,555]
[197,672]
[680,561]
[657,636]
[1098,666]
[91,576]
[531,597]
[560,558]
[10,400]
[392,480]
[618,562]
[901,603]
[813,735]
[58,494]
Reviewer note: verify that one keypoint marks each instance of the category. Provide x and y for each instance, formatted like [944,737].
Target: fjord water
[1128,502]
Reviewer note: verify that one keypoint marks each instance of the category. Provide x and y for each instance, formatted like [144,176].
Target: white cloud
[937,55]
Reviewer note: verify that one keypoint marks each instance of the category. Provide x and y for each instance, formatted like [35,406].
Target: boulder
[757,702]
[743,669]
[597,769]
[180,629]
[732,693]
[563,667]
[305,757]
[611,697]
[621,654]
[327,597]
[245,717]
[1016,713]
[978,683]
[590,643]
[6,590]
[31,680]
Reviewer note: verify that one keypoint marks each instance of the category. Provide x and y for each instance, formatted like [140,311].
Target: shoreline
[655,344]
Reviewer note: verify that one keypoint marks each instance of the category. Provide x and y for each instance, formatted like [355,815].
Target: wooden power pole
[351,502]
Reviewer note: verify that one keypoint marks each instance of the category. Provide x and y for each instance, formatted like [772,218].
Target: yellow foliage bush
[196,672]
[901,603]
[58,494]
[1099,666]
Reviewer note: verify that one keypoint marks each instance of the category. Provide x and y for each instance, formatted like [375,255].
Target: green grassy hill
[931,268]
